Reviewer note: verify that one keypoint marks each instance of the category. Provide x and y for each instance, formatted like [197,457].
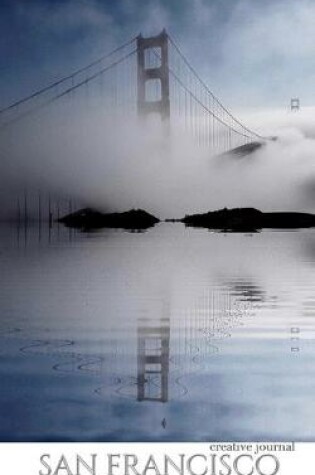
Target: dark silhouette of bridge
[142,77]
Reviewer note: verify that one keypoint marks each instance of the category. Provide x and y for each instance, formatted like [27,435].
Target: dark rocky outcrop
[89,218]
[249,219]
[236,219]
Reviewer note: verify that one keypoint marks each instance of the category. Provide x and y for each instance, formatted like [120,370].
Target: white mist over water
[116,165]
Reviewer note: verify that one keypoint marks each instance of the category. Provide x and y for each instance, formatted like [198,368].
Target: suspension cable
[204,106]
[70,89]
[192,69]
[193,96]
[66,78]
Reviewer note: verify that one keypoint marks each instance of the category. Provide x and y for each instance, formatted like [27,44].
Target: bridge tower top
[295,104]
[160,74]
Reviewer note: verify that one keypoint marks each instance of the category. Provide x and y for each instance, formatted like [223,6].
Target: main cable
[67,91]
[66,78]
[192,69]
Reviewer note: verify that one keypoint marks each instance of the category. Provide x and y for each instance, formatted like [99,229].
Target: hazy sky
[250,52]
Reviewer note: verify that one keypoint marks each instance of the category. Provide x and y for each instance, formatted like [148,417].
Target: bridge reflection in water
[162,361]
[153,360]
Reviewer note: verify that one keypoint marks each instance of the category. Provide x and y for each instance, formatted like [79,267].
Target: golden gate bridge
[142,77]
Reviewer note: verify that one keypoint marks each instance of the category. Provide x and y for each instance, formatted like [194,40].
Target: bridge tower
[146,73]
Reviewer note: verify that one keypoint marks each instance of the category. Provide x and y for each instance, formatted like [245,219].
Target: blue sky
[250,52]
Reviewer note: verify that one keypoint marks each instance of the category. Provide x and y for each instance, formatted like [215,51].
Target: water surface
[172,334]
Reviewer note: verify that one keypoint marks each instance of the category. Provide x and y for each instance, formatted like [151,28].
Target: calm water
[173,334]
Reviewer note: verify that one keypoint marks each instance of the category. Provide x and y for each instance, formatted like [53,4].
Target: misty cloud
[115,165]
[64,18]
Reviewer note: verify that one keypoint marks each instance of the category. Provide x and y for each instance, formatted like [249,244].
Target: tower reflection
[153,360]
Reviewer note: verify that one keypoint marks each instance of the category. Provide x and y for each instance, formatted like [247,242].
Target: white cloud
[281,30]
[67,17]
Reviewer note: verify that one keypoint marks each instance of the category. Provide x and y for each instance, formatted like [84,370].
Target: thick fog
[118,163]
